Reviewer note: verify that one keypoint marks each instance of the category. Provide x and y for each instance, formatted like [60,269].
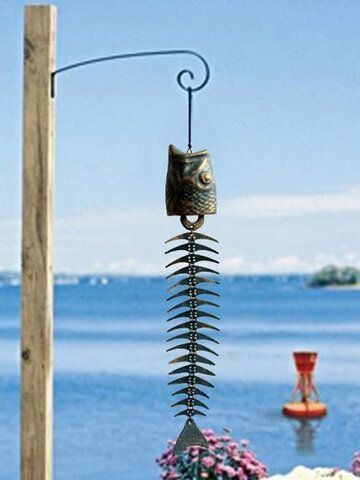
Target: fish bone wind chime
[191,190]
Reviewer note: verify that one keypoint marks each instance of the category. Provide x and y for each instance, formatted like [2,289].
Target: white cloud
[293,205]
[129,266]
[130,241]
[257,206]
[233,265]
[108,219]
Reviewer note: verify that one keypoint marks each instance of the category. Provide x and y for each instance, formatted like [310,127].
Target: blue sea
[112,402]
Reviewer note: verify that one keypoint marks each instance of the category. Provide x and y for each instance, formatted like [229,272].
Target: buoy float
[309,405]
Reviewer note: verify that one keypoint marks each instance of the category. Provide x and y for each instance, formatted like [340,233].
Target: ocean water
[112,413]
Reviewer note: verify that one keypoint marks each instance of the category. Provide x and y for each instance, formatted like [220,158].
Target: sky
[280,117]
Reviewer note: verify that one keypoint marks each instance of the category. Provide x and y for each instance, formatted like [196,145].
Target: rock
[303,473]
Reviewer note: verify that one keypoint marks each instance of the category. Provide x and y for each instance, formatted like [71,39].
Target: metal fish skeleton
[191,190]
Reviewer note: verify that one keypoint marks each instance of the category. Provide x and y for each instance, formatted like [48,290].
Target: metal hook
[179,78]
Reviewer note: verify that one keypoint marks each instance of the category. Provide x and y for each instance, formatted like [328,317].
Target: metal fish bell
[190,183]
[191,190]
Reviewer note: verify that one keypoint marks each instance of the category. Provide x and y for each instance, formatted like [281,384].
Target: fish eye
[205,178]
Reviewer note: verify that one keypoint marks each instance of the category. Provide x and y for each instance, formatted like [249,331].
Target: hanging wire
[190,98]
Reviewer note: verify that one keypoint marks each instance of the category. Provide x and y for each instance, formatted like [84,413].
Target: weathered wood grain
[37,236]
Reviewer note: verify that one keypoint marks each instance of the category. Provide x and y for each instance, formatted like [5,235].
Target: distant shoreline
[341,287]
[336,278]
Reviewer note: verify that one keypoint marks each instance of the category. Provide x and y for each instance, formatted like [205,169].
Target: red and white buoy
[308,405]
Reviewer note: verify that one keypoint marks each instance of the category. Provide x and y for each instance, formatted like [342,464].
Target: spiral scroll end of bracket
[187,72]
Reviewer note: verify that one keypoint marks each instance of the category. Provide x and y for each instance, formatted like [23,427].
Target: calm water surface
[112,414]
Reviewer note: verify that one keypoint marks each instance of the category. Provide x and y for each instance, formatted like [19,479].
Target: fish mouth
[185,157]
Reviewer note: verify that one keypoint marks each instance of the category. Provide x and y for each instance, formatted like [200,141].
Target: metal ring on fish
[192,225]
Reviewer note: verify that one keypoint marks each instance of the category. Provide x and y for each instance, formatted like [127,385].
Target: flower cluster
[355,466]
[223,460]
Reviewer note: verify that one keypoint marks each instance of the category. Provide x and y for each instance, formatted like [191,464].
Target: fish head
[190,183]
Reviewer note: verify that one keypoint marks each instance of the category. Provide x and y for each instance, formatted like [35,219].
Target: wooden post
[37,237]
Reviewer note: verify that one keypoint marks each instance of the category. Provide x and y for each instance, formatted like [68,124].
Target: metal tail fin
[190,435]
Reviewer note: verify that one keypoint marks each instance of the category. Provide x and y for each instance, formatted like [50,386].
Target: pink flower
[223,459]
[232,450]
[219,468]
[212,440]
[194,451]
[229,471]
[355,466]
[171,460]
[240,474]
[171,476]
[248,455]
[244,463]
[208,462]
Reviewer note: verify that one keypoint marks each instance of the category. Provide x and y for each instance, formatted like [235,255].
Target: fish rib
[192,270]
[191,259]
[187,303]
[197,381]
[191,247]
[195,390]
[191,236]
[189,358]
[193,292]
[188,314]
[188,335]
[192,368]
[190,346]
[189,325]
[194,412]
[184,401]
[193,280]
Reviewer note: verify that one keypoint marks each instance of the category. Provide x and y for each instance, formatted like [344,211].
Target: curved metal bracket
[123,56]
